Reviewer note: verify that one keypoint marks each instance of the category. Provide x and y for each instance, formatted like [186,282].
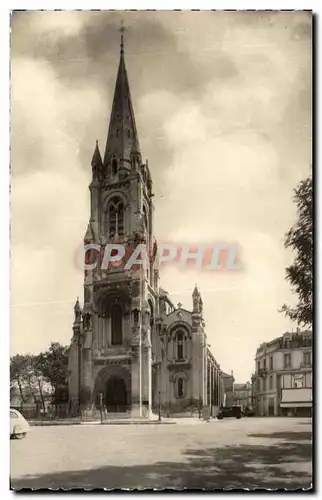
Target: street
[247,453]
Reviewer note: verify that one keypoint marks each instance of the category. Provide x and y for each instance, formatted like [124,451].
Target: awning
[296,405]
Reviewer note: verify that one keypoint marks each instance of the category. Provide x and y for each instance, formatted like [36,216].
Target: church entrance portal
[116,395]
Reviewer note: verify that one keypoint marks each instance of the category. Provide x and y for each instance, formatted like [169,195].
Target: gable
[180,316]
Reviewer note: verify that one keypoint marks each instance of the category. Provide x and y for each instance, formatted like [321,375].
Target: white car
[19,426]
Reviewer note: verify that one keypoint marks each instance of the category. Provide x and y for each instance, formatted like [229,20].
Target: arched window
[180,387]
[114,167]
[116,322]
[180,345]
[151,314]
[115,218]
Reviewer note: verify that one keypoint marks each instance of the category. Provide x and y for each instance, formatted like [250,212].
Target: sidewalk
[123,421]
[40,423]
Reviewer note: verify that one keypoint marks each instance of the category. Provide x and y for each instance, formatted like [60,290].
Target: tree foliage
[33,376]
[18,368]
[54,366]
[300,239]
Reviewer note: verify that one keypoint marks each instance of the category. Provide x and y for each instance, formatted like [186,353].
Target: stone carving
[136,316]
[135,351]
[113,362]
[144,330]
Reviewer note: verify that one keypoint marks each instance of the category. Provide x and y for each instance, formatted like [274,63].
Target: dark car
[230,412]
[248,412]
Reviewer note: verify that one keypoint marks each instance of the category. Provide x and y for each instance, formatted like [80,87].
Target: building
[132,348]
[283,375]
[228,389]
[243,395]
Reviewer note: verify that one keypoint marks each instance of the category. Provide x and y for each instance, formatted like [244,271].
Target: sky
[222,102]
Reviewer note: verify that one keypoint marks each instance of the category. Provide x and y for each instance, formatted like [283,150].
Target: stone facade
[284,366]
[132,348]
[243,395]
[228,383]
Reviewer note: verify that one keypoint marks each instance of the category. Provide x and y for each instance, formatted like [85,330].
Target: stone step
[116,416]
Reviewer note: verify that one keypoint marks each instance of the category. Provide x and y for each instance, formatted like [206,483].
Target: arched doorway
[116,395]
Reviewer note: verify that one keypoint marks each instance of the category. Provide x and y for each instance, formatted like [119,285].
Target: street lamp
[159,406]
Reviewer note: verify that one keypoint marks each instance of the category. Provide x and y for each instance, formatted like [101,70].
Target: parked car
[19,426]
[247,412]
[229,412]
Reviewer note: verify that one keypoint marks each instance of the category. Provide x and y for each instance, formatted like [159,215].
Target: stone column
[202,374]
[206,375]
[108,333]
[88,380]
[136,410]
[136,389]
[196,358]
[147,377]
[95,332]
[218,387]
[146,363]
[210,388]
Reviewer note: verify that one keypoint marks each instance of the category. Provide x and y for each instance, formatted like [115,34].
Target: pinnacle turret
[96,159]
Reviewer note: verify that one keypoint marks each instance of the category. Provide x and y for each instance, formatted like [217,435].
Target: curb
[95,422]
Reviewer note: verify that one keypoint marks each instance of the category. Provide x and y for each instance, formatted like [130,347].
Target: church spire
[122,136]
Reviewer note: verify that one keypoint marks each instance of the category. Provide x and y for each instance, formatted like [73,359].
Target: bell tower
[120,300]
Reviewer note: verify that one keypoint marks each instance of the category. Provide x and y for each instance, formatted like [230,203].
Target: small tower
[196,300]
[96,164]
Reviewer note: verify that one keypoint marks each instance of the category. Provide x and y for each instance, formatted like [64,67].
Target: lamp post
[159,406]
[101,406]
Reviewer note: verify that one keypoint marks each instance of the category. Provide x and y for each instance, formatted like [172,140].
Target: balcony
[297,342]
[262,372]
[287,367]
[306,364]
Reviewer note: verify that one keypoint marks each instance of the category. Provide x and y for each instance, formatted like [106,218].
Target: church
[133,350]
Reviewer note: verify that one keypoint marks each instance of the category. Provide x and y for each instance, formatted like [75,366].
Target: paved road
[246,453]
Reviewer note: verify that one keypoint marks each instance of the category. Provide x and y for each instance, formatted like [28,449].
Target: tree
[26,376]
[53,365]
[36,375]
[18,368]
[300,239]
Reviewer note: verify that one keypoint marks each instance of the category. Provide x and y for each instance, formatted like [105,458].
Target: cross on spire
[122,29]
